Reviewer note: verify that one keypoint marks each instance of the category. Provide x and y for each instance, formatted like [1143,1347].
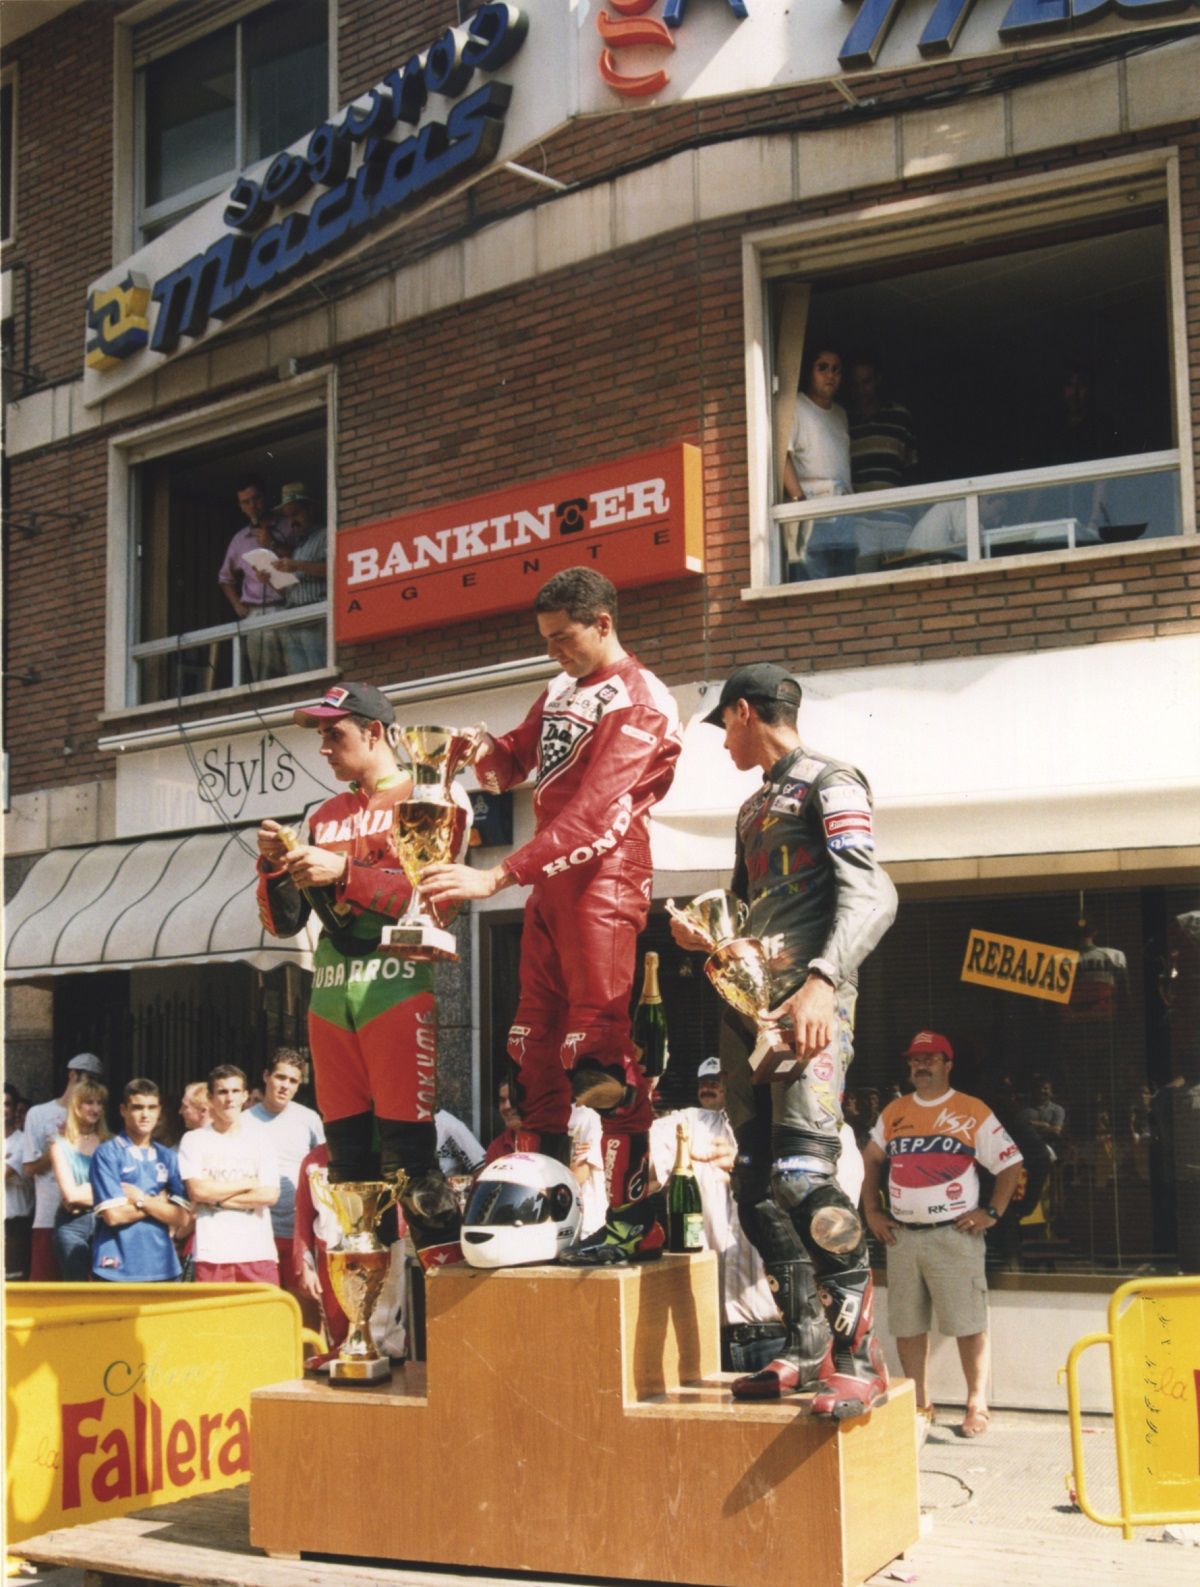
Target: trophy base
[423,941]
[770,1064]
[377,1370]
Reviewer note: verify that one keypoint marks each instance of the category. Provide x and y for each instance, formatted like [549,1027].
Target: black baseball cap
[347,699]
[761,680]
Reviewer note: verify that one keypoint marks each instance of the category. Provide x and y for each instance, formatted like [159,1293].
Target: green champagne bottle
[650,1023]
[685,1213]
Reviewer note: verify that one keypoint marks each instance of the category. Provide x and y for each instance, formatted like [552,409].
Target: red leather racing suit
[372,1021]
[603,750]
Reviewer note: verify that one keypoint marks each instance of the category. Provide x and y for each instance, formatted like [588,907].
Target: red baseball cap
[347,699]
[929,1041]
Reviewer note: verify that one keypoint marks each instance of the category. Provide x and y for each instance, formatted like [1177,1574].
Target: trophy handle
[319,1185]
[686,920]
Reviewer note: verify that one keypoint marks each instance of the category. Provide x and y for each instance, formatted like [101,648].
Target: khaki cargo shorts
[940,1271]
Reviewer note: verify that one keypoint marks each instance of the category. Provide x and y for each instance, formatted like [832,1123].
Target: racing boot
[434,1221]
[853,1376]
[636,1232]
[797,1367]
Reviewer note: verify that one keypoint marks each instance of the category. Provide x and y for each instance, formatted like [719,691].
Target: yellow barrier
[1154,1357]
[121,1396]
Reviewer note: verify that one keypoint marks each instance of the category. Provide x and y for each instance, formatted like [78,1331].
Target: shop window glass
[1017,400]
[1109,1082]
[188,639]
[224,101]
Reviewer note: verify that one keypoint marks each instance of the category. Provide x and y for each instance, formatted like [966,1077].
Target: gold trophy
[428,830]
[358,1269]
[718,916]
[737,967]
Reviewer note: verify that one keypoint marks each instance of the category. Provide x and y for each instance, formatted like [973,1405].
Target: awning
[125,906]
[1051,752]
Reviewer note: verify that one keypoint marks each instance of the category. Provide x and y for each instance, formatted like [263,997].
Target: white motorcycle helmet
[523,1208]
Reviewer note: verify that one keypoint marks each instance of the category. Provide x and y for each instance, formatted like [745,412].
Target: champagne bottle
[650,1023]
[685,1216]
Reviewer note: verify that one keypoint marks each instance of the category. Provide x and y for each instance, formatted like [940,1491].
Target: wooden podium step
[576,1422]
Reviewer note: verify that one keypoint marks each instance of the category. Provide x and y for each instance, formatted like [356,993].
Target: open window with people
[230,560]
[984,398]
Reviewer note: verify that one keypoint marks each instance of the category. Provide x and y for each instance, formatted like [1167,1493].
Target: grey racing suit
[818,897]
[819,901]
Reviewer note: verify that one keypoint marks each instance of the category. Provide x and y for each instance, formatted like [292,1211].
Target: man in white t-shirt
[43,1126]
[930,1144]
[750,1318]
[458,1151]
[586,1130]
[18,1191]
[232,1181]
[292,1130]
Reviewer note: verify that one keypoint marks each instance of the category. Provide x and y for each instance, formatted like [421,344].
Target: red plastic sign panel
[638,520]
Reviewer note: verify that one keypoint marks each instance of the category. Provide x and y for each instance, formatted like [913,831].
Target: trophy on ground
[428,830]
[737,967]
[358,1270]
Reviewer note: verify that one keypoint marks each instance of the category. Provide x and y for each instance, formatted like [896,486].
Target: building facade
[512,287]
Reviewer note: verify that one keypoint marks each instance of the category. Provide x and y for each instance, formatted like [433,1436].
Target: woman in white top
[818,464]
[71,1162]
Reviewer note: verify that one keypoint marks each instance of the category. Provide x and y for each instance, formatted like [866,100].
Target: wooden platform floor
[996,1509]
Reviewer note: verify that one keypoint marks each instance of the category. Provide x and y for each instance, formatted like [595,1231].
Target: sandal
[975,1423]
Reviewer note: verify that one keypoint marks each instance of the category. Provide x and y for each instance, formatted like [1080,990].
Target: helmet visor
[508,1206]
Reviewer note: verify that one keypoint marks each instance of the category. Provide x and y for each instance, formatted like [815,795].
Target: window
[209,605]
[960,393]
[1107,1081]
[215,104]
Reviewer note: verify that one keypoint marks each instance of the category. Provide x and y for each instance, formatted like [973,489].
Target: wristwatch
[992,1214]
[825,969]
[140,1204]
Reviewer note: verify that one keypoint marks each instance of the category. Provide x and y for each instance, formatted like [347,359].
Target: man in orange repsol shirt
[372,1021]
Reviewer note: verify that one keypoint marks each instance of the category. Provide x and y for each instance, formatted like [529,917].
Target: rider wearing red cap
[372,1021]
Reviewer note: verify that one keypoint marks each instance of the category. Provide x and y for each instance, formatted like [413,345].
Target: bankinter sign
[637,521]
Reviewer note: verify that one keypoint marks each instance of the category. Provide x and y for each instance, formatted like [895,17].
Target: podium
[575,1422]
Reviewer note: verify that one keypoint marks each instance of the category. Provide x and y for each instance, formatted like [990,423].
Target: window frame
[900,229]
[312,393]
[129,218]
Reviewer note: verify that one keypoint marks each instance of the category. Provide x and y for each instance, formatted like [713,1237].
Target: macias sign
[322,196]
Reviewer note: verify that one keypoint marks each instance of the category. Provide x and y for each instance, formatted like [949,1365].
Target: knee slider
[837,1229]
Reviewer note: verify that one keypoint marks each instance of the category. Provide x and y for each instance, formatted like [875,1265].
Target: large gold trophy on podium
[737,966]
[358,1269]
[428,830]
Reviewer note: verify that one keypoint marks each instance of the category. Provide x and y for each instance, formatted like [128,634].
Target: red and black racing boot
[636,1232]
[853,1376]
[434,1221]
[797,1367]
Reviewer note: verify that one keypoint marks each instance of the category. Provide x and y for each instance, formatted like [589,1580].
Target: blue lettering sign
[238,266]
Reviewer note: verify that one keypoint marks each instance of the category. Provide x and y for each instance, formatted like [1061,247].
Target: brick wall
[63,234]
[612,357]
